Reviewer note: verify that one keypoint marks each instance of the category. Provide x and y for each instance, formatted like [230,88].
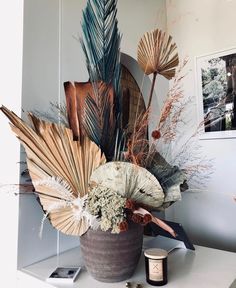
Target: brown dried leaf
[157,54]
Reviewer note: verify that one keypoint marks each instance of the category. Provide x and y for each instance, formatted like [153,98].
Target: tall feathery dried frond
[101,45]
[101,40]
[138,143]
[157,54]
[174,107]
[94,107]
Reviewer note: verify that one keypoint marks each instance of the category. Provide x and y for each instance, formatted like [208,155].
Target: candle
[156,266]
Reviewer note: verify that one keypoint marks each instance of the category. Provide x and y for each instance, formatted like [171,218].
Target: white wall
[204,27]
[41,85]
[11,33]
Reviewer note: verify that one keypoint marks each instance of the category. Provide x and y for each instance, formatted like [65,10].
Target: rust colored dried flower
[147,218]
[137,218]
[130,204]
[156,134]
[123,226]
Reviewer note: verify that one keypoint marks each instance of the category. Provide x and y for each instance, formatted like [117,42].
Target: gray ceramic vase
[112,257]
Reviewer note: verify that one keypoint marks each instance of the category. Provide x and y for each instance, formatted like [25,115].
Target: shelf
[207,267]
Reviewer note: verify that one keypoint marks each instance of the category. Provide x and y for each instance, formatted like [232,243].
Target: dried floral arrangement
[86,170]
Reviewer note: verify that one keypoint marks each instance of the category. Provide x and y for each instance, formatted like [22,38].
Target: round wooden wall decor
[133,102]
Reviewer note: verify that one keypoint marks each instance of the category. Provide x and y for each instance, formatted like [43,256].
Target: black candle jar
[156,266]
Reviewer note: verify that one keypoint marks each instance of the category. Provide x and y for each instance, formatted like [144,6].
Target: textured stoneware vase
[112,257]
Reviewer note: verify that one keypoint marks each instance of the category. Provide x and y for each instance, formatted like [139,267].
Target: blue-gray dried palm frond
[172,179]
[95,112]
[100,120]
[101,40]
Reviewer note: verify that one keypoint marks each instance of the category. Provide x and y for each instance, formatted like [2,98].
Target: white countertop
[204,267]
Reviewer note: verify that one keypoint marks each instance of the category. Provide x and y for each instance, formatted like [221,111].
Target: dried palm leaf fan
[157,55]
[130,181]
[60,169]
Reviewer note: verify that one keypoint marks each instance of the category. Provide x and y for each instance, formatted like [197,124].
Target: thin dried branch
[138,144]
[173,108]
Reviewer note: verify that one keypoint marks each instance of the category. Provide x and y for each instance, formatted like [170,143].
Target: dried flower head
[147,218]
[108,206]
[123,226]
[130,204]
[156,134]
[137,218]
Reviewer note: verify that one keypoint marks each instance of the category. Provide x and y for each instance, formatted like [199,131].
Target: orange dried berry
[123,226]
[156,134]
[130,204]
[137,218]
[147,218]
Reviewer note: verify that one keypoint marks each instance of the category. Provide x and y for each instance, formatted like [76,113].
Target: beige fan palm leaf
[51,152]
[157,54]
[130,181]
